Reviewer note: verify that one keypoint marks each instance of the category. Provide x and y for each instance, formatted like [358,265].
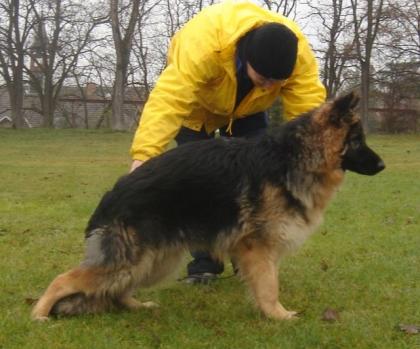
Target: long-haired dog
[250,200]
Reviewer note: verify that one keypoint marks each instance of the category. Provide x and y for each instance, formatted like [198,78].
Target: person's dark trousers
[252,126]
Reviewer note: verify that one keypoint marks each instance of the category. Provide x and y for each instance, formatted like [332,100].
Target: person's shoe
[203,279]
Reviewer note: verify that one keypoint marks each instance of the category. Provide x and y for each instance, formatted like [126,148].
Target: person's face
[258,79]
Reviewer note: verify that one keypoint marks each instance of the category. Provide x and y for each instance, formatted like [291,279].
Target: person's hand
[135,164]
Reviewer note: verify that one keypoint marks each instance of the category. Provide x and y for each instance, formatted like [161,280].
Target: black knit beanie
[271,50]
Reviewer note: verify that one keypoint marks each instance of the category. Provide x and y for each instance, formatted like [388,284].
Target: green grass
[364,261]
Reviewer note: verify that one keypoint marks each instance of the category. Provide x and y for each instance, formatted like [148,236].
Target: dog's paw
[39,318]
[133,304]
[290,315]
[279,313]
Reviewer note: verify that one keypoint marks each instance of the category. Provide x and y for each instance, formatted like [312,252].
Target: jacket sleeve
[170,102]
[303,91]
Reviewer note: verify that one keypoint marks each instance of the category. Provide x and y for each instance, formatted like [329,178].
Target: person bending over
[225,68]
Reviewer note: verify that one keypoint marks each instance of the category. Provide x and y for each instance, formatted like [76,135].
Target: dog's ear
[347,102]
[343,107]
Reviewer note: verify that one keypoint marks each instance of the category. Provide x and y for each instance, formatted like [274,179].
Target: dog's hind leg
[258,267]
[154,266]
[78,280]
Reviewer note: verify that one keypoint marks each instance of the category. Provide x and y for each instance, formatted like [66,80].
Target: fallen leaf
[409,329]
[409,220]
[331,315]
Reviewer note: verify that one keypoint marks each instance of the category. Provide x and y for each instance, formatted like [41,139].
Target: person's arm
[303,91]
[190,67]
[169,103]
[135,164]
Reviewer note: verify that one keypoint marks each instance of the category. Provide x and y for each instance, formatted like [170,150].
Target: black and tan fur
[251,201]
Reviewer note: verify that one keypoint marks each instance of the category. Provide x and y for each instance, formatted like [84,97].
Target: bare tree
[400,31]
[151,46]
[398,78]
[62,33]
[14,33]
[157,23]
[336,49]
[83,75]
[399,87]
[102,63]
[367,17]
[102,68]
[147,62]
[177,12]
[285,7]
[124,17]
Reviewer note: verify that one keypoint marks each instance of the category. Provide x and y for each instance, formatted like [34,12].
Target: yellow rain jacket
[198,86]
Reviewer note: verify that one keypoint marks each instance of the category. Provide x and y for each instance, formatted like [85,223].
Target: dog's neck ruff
[314,191]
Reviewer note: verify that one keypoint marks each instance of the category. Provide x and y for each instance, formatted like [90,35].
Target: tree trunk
[86,113]
[16,104]
[117,122]
[48,109]
[364,106]
[122,43]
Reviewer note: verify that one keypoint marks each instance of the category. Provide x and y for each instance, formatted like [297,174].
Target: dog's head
[358,157]
[345,131]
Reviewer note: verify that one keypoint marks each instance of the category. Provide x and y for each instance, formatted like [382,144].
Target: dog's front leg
[259,270]
[133,304]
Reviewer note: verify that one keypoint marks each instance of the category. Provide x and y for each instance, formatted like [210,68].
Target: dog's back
[196,191]
[179,195]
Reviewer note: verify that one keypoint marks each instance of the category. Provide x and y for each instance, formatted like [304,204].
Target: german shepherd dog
[250,200]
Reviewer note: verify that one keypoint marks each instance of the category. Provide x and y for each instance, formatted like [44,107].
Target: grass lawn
[364,261]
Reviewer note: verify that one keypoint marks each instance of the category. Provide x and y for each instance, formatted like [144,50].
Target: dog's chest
[291,233]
